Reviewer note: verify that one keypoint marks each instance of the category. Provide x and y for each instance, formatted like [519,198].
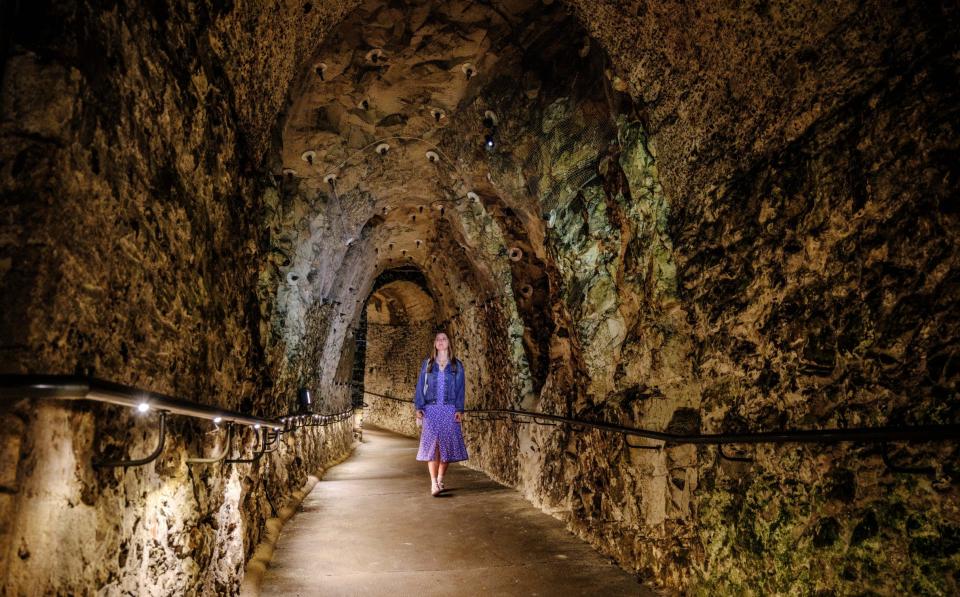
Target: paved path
[370,527]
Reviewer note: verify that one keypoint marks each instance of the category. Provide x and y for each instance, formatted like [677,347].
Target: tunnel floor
[370,527]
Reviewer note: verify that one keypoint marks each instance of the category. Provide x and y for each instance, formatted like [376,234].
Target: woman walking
[439,404]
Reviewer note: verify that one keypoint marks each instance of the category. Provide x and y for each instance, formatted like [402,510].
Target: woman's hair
[450,356]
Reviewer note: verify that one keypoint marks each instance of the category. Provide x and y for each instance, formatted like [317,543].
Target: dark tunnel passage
[700,262]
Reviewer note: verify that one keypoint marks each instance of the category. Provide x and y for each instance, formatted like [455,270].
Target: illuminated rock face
[693,216]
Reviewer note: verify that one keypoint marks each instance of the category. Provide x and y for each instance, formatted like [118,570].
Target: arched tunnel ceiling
[433,80]
[408,75]
[398,303]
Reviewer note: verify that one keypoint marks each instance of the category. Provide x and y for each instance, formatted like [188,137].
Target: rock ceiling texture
[698,216]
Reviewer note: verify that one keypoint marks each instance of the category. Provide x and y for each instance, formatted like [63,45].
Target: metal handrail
[913,433]
[70,387]
[227,446]
[260,448]
[140,461]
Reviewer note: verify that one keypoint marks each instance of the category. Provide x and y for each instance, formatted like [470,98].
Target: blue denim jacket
[427,385]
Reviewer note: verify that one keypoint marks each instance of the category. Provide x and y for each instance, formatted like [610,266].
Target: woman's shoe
[440,484]
[434,489]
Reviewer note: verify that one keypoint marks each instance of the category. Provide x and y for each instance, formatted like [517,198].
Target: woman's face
[441,342]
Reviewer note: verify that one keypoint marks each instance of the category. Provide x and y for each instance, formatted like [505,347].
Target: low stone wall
[161,529]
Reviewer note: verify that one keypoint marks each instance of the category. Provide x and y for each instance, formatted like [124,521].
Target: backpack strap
[426,379]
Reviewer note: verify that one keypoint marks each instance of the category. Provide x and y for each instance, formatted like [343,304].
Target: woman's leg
[434,464]
[441,468]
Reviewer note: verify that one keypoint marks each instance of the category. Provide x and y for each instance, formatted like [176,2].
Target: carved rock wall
[131,248]
[764,289]
[702,216]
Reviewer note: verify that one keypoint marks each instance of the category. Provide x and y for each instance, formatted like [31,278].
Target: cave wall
[133,249]
[731,217]
[825,290]
[394,354]
[780,266]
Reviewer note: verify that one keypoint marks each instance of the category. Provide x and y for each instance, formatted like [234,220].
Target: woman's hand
[419,415]
[458,417]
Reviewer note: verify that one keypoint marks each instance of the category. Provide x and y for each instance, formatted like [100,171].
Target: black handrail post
[228,444]
[146,459]
[258,452]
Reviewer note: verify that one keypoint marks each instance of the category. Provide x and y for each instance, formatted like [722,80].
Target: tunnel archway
[416,110]
[401,316]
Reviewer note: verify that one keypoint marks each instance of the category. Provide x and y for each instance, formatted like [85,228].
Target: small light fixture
[383,148]
[433,157]
[321,70]
[305,399]
[257,426]
[330,179]
[469,69]
[489,142]
[143,407]
[218,420]
[308,156]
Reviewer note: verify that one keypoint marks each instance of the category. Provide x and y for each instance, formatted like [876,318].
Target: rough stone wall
[804,282]
[394,354]
[824,283]
[130,249]
[762,235]
[722,84]
[162,529]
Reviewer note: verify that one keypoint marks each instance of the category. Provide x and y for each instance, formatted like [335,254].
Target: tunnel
[698,264]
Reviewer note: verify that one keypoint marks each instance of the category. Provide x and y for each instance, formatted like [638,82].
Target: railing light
[218,420]
[143,407]
[256,425]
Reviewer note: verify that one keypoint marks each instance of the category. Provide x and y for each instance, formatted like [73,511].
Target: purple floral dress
[440,430]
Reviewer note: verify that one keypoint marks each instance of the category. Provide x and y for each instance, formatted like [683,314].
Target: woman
[439,404]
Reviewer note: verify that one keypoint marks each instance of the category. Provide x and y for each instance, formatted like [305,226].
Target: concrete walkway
[370,527]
